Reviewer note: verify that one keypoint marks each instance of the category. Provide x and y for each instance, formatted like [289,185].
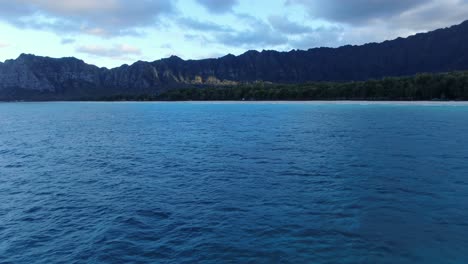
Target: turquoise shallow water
[233,183]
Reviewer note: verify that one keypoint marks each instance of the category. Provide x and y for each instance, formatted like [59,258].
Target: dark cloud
[194,24]
[279,32]
[344,21]
[252,38]
[356,11]
[250,32]
[11,10]
[284,25]
[218,6]
[258,34]
[435,14]
[66,41]
[319,37]
[103,18]
[117,51]
[366,21]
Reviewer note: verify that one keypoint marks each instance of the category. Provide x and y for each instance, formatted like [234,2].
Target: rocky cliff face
[32,77]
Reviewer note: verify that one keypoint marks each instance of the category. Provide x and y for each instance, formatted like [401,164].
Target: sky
[109,33]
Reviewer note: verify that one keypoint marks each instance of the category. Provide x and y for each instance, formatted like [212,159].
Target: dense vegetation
[446,86]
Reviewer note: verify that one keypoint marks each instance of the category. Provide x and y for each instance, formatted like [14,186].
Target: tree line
[441,86]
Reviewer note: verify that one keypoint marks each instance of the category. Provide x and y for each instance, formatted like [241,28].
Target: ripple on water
[214,183]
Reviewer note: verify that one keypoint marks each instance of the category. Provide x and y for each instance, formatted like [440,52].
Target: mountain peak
[175,58]
[26,56]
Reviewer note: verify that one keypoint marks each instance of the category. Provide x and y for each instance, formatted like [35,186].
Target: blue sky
[113,32]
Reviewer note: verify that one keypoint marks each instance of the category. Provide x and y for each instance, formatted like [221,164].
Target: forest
[440,86]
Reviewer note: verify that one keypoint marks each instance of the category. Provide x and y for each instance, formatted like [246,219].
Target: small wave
[153,214]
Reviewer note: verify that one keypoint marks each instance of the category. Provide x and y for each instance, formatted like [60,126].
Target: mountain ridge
[32,77]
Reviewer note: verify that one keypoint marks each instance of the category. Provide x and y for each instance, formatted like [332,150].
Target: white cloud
[4,45]
[105,18]
[117,51]
[73,6]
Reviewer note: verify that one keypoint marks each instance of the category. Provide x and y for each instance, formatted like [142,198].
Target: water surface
[233,182]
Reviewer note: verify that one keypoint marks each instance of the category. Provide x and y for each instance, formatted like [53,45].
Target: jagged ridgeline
[31,77]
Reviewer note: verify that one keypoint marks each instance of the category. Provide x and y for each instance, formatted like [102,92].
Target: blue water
[233,183]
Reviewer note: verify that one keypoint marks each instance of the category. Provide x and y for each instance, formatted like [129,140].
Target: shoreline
[310,102]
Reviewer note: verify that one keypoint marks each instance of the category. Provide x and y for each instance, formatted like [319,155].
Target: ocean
[233,182]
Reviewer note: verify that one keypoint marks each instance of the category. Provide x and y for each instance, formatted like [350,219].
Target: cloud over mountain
[105,18]
[195,28]
[218,6]
[115,51]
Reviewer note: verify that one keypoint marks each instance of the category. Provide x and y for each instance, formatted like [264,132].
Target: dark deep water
[236,183]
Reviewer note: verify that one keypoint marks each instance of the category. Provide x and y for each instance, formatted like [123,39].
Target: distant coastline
[316,102]
[421,87]
[433,87]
